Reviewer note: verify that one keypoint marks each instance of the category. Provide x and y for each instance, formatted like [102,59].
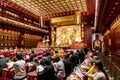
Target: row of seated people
[49,67]
[25,52]
[60,64]
[90,69]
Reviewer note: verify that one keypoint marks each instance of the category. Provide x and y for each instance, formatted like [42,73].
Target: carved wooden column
[53,34]
[78,17]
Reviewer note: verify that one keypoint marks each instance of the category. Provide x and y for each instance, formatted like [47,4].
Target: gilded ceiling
[47,7]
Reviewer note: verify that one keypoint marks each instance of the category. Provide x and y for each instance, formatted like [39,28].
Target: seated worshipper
[33,67]
[48,73]
[40,58]
[32,56]
[85,48]
[29,66]
[78,72]
[40,68]
[87,58]
[3,62]
[61,51]
[96,58]
[16,50]
[91,69]
[19,65]
[60,73]
[73,77]
[68,65]
[10,64]
[52,52]
[56,54]
[26,56]
[75,59]
[100,72]
[53,62]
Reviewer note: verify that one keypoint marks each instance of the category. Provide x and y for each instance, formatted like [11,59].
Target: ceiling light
[51,1]
[68,3]
[71,0]
[116,3]
[55,0]
[62,2]
[111,12]
[77,1]
[47,2]
[40,0]
[113,8]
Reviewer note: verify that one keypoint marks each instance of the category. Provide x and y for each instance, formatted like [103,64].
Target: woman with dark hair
[19,65]
[100,72]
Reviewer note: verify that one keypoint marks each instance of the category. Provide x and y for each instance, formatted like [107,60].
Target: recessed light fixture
[113,8]
[116,3]
[111,12]
[51,1]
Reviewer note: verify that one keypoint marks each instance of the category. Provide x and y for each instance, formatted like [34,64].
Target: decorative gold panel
[63,19]
[66,35]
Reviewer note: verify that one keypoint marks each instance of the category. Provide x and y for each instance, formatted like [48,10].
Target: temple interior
[74,32]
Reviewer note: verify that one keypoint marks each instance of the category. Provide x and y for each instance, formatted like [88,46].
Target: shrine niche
[97,43]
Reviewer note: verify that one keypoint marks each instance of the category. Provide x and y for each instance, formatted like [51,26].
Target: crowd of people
[57,65]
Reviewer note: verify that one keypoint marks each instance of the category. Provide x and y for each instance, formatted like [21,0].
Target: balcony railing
[15,17]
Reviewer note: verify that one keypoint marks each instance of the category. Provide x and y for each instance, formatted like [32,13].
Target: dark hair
[49,58]
[56,51]
[96,57]
[35,60]
[48,53]
[19,56]
[45,62]
[91,62]
[99,64]
[66,56]
[56,59]
[71,52]
[32,51]
[77,50]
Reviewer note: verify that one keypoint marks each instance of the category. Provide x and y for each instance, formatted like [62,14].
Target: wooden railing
[114,69]
[116,56]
